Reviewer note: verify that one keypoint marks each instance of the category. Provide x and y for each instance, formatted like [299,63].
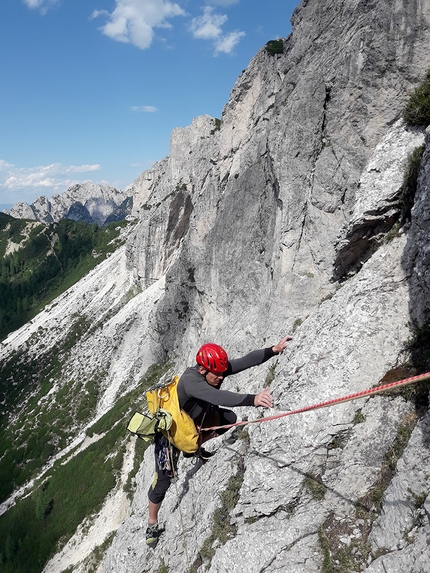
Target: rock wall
[279,218]
[290,198]
[272,186]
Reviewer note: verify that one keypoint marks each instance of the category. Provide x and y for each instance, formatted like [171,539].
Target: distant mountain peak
[90,202]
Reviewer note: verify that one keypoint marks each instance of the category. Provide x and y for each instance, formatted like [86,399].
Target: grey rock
[340,170]
[240,231]
[83,202]
[405,519]
[378,198]
[416,254]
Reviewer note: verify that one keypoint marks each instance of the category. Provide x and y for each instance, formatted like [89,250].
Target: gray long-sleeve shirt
[195,394]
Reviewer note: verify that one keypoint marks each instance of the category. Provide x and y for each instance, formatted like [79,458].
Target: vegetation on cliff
[417,110]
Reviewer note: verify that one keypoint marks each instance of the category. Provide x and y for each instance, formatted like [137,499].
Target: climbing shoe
[201,453]
[152,535]
[204,454]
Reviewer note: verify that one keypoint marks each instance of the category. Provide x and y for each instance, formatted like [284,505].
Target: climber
[200,396]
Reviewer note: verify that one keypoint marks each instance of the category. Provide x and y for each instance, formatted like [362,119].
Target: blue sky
[92,89]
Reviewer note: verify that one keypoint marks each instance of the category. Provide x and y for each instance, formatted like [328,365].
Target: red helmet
[212,357]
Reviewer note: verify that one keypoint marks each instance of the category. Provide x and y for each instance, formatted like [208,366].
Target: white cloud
[144,108]
[226,43]
[224,2]
[4,165]
[55,177]
[42,5]
[133,21]
[209,27]
[81,168]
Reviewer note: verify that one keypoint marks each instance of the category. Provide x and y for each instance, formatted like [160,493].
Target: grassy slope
[33,427]
[49,260]
[31,531]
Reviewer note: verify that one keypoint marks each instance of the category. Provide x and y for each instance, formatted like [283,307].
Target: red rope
[370,391]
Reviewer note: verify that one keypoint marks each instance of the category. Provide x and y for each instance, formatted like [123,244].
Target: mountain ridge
[89,202]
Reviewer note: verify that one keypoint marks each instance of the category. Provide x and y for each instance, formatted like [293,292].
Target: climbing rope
[349,398]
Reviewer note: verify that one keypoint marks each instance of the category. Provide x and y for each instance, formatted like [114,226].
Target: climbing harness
[349,398]
[166,455]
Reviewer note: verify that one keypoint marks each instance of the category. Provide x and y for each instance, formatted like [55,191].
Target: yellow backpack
[183,432]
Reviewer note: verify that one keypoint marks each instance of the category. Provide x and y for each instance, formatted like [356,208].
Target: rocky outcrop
[305,477]
[416,258]
[292,146]
[274,220]
[378,200]
[87,202]
[296,189]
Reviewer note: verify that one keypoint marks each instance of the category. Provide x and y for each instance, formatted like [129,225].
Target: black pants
[163,476]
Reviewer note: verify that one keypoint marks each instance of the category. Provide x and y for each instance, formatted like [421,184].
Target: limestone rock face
[273,220]
[417,253]
[402,522]
[378,198]
[279,196]
[294,189]
[84,202]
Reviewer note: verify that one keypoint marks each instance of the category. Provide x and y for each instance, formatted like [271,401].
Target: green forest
[40,523]
[44,261]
